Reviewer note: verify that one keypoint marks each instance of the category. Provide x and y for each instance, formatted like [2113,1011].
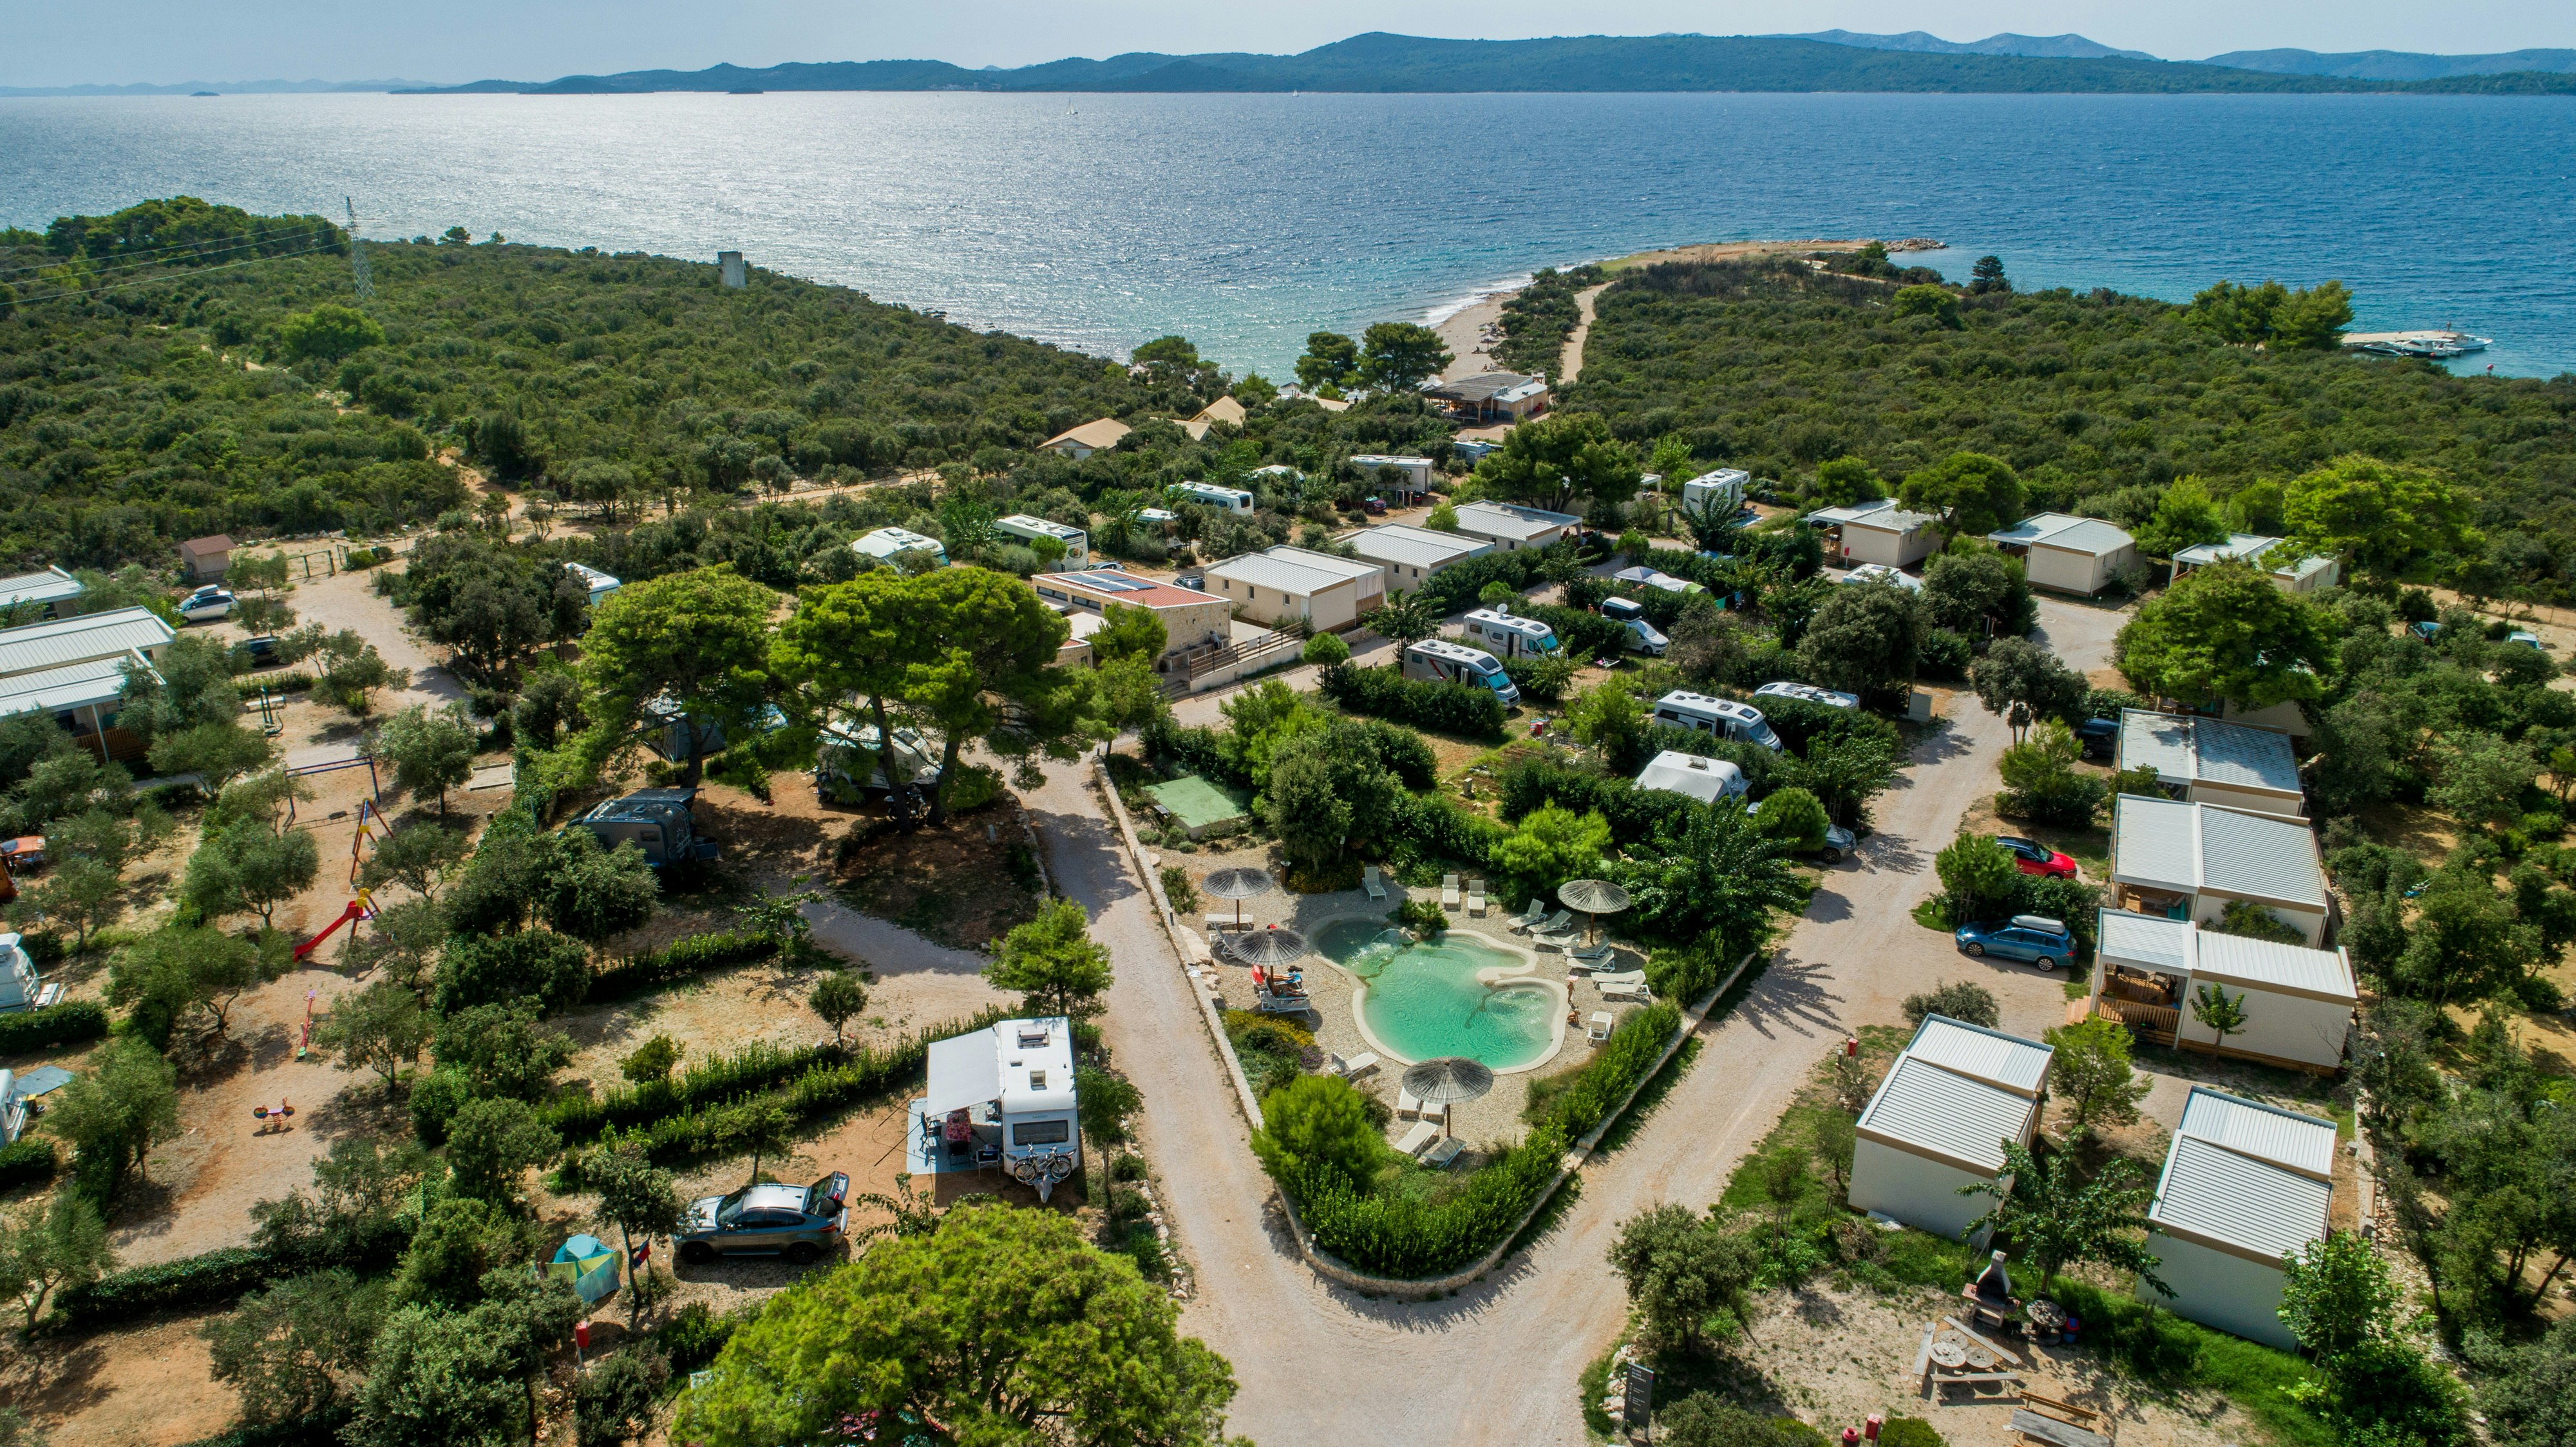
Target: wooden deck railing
[2155,1022]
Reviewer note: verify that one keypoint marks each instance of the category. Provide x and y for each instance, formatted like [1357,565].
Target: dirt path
[1570,365]
[1498,1362]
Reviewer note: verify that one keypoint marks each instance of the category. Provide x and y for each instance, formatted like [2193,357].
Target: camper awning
[964,1071]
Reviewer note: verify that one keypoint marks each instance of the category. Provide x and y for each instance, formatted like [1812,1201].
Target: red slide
[354,911]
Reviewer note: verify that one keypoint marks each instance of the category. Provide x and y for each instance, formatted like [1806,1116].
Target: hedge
[834,1078]
[1201,751]
[1401,1236]
[212,1279]
[1453,589]
[25,1030]
[29,1160]
[1449,708]
[1586,636]
[1635,815]
[1437,827]
[638,974]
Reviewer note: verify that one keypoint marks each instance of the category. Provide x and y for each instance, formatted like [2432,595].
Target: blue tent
[590,1265]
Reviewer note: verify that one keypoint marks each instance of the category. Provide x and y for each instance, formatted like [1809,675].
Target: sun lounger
[1370,881]
[1439,1156]
[1409,1106]
[1553,924]
[1594,957]
[1565,940]
[1618,979]
[1626,990]
[1219,923]
[1449,891]
[1475,896]
[1358,1066]
[1522,922]
[1600,1026]
[1422,1134]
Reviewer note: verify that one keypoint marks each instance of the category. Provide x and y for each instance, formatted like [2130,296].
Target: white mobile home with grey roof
[1939,1121]
[2298,1002]
[2211,761]
[2070,554]
[2189,861]
[2246,1186]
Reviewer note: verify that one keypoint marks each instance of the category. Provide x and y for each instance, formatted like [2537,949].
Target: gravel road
[1497,1363]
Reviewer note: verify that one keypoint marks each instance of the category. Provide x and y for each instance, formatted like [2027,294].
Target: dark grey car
[797,1222]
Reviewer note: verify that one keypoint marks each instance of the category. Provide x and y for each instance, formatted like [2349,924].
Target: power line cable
[172,276]
[130,260]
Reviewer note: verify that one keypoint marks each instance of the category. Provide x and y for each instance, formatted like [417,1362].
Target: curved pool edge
[1529,968]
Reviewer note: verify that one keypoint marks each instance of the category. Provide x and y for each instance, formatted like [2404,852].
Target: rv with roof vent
[1505,634]
[1437,660]
[1723,717]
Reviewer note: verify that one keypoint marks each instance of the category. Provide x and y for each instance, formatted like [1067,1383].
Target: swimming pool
[1459,996]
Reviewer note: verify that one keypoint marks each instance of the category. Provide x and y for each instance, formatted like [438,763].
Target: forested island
[1380,62]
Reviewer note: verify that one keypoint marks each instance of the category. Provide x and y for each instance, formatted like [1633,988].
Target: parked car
[205,605]
[1838,840]
[1373,507]
[797,1222]
[2037,858]
[2099,737]
[2521,639]
[2425,630]
[260,652]
[2044,942]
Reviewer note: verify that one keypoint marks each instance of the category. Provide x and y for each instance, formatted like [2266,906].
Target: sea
[1244,222]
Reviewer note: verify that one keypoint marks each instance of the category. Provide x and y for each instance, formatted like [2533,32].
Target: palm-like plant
[1120,516]
[1710,524]
[1406,618]
[2058,1218]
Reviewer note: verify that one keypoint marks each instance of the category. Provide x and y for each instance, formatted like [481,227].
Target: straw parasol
[1593,897]
[1271,947]
[1448,1081]
[1239,884]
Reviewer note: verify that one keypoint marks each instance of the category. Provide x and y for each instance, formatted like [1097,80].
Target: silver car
[797,1222]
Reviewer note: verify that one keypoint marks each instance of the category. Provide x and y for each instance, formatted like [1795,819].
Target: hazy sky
[50,43]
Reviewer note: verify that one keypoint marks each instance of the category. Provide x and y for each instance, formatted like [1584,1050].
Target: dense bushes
[28,1160]
[65,1024]
[637,974]
[215,1278]
[1401,1235]
[1449,708]
[1586,636]
[1635,814]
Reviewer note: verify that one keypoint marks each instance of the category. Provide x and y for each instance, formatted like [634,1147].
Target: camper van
[847,749]
[1721,716]
[1642,635]
[21,988]
[1505,634]
[596,583]
[1438,660]
[1206,494]
[657,820]
[1721,492]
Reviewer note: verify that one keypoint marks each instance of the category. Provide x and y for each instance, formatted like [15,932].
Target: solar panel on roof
[1112,583]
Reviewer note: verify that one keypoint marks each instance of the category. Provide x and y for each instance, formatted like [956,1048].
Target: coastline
[1461,324]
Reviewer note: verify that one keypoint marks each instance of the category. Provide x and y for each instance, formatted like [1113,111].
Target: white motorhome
[1008,1091]
[598,583]
[1207,494]
[1076,542]
[21,986]
[1440,661]
[1721,491]
[885,544]
[1704,779]
[1830,697]
[1642,635]
[1505,634]
[1721,716]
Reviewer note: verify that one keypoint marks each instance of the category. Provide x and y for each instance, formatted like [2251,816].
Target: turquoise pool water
[1424,1000]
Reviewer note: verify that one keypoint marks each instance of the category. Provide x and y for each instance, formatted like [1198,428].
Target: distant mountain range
[1380,62]
[1829,60]
[220,87]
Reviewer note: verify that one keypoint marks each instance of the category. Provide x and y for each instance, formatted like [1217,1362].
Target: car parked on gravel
[769,1219]
[2038,939]
[2033,857]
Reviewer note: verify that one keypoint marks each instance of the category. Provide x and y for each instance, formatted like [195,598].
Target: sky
[165,41]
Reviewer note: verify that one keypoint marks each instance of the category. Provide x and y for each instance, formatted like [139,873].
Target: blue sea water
[1245,222]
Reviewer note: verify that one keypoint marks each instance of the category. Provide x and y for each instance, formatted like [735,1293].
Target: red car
[2037,858]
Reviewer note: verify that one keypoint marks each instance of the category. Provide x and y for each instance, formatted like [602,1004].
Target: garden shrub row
[1589,1095]
[1586,636]
[837,1078]
[638,974]
[758,1067]
[1200,751]
[29,1160]
[1453,589]
[212,1279]
[1634,814]
[53,1025]
[1449,708]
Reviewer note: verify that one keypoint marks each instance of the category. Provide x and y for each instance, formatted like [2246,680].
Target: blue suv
[2044,942]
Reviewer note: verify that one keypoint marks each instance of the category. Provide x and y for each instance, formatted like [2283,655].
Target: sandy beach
[1462,331]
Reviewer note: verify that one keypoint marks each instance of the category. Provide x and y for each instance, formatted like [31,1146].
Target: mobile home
[884,544]
[1411,554]
[1440,661]
[1938,1123]
[1505,634]
[1723,717]
[2068,553]
[2246,1187]
[2298,1002]
[1722,490]
[1208,494]
[1284,583]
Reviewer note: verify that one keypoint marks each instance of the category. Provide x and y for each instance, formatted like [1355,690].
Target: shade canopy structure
[1448,1081]
[1268,947]
[1593,897]
[1239,884]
